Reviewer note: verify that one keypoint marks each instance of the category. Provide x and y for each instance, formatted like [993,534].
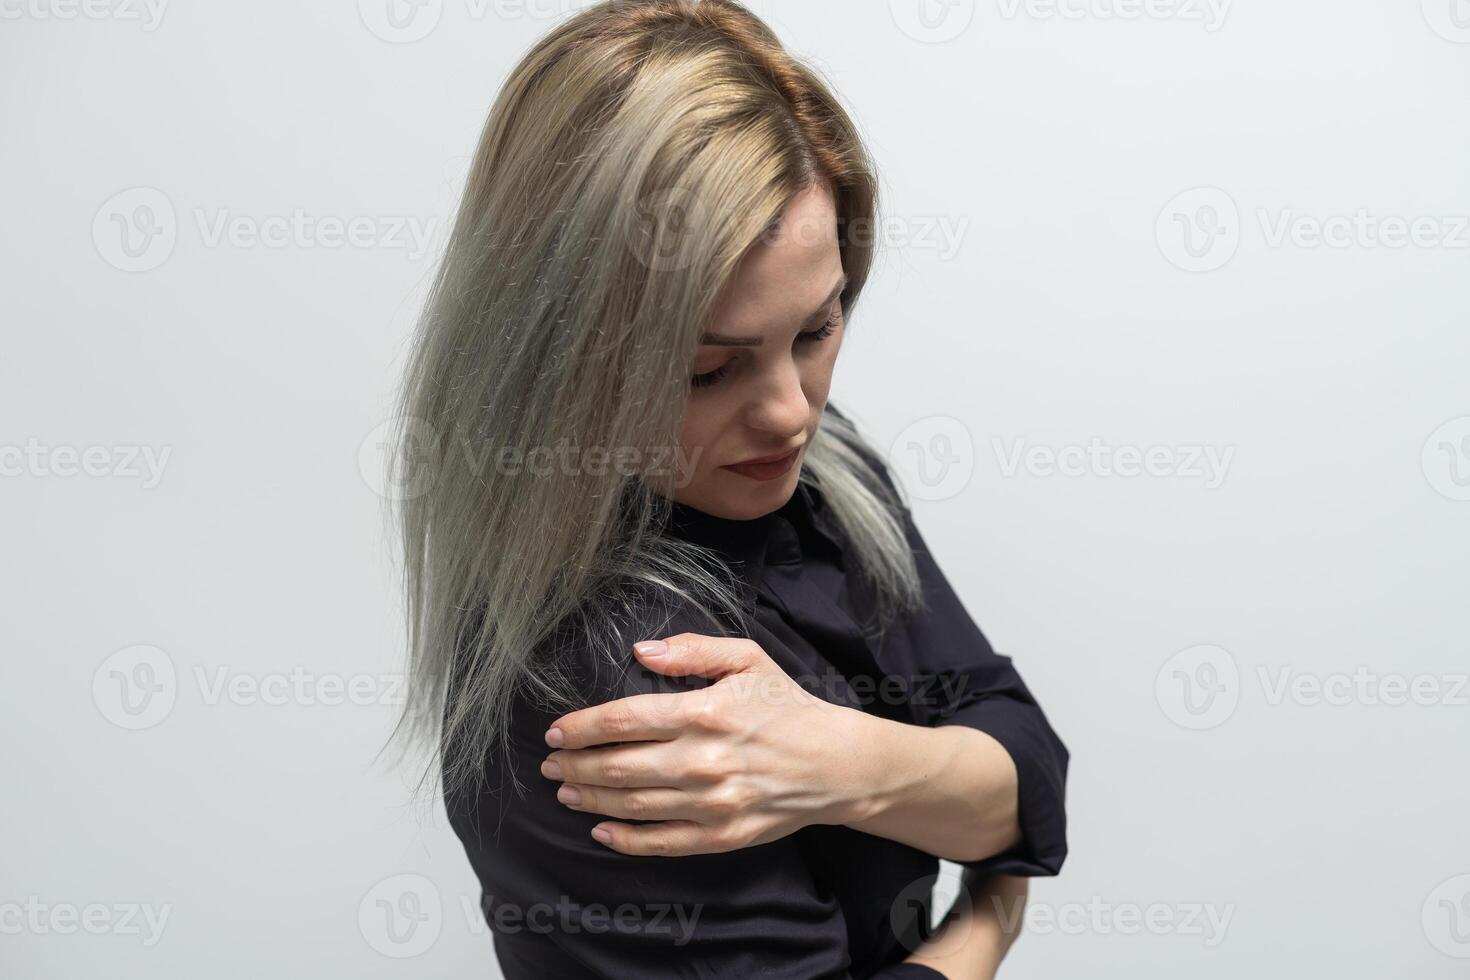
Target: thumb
[707,656]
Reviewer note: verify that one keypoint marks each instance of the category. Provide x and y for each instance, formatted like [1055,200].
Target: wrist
[867,752]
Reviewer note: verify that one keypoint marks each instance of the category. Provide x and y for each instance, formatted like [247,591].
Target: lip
[766,467]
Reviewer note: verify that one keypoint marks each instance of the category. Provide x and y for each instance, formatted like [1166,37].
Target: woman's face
[762,376]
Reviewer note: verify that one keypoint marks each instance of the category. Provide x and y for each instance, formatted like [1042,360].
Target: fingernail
[554,738]
[550,769]
[569,795]
[601,836]
[651,648]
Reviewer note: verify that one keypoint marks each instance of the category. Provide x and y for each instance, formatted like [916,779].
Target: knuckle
[706,711]
[635,805]
[713,762]
[725,838]
[724,802]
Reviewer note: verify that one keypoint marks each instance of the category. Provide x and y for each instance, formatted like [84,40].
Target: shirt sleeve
[752,912]
[957,678]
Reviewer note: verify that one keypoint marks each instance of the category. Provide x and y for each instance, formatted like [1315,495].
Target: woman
[621,384]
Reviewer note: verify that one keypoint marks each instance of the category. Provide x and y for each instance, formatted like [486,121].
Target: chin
[738,498]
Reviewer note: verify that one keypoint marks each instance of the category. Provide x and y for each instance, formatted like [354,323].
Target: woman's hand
[747,760]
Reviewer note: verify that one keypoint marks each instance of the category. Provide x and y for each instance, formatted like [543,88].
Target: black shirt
[824,902]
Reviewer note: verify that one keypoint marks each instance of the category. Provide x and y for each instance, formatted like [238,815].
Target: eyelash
[810,336]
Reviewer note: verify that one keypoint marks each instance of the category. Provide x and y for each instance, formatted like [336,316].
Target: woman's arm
[950,790]
[979,930]
[560,903]
[982,690]
[754,756]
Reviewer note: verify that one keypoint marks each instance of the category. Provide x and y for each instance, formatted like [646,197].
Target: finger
[695,653]
[652,803]
[638,718]
[618,767]
[668,838]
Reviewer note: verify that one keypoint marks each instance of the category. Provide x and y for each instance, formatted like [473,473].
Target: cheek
[700,425]
[816,376]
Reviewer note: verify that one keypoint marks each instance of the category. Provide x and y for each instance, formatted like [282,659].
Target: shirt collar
[749,545]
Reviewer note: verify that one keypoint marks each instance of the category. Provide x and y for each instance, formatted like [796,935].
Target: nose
[780,407]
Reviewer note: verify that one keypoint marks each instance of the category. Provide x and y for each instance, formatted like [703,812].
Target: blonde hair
[629,162]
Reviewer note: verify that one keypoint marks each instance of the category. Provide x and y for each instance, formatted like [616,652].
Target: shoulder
[593,647]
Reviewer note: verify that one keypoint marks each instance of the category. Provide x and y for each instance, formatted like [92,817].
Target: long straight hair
[632,158]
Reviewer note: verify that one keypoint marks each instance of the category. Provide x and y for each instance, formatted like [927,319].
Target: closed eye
[824,331]
[805,337]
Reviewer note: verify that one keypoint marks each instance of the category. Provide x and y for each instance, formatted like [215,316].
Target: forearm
[978,931]
[950,791]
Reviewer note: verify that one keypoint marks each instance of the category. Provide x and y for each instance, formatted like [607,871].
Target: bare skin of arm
[950,791]
[977,933]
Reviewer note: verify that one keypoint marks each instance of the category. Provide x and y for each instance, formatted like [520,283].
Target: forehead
[789,271]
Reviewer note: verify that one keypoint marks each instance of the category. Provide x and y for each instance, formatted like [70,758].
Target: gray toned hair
[629,162]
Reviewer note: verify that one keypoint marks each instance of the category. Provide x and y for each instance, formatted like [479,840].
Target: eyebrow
[722,340]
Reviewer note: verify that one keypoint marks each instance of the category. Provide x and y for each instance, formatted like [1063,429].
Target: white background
[1312,829]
